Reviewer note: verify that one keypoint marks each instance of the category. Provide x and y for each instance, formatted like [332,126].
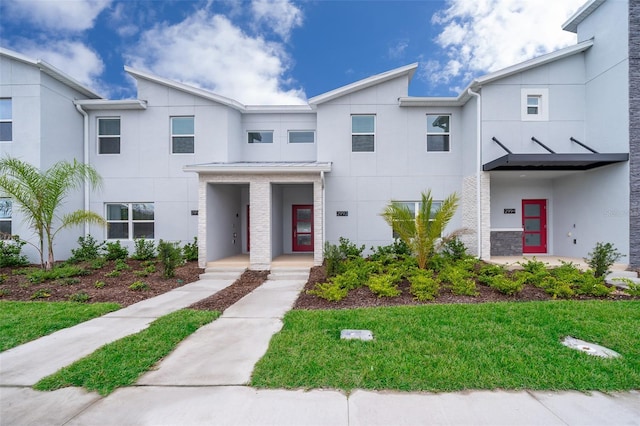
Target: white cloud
[280,16]
[397,50]
[487,35]
[68,15]
[71,57]
[209,52]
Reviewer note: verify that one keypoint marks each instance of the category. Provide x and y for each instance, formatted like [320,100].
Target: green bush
[112,274]
[88,250]
[459,280]
[384,285]
[59,272]
[333,259]
[170,256]
[633,290]
[11,253]
[557,288]
[348,249]
[143,249]
[190,250]
[97,263]
[586,284]
[392,252]
[505,284]
[43,293]
[454,249]
[121,265]
[69,281]
[602,257]
[139,286]
[80,297]
[99,284]
[115,251]
[329,291]
[424,286]
[349,280]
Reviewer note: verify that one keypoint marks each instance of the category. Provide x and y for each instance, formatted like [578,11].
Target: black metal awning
[553,161]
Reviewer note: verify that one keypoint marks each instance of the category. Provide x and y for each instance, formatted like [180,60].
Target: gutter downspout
[478,166]
[85,148]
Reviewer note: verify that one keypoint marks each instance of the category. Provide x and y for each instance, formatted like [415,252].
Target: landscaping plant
[11,253]
[89,249]
[143,249]
[170,256]
[190,250]
[602,257]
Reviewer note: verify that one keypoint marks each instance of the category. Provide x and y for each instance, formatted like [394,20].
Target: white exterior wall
[280,125]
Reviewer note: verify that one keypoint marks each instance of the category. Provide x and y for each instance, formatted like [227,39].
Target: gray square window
[260,137]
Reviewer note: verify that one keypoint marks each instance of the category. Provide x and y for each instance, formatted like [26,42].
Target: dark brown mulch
[116,289]
[363,297]
[226,297]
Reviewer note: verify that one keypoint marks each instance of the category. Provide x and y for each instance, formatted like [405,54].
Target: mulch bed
[226,297]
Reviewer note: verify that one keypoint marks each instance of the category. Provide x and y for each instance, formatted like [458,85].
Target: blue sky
[281,51]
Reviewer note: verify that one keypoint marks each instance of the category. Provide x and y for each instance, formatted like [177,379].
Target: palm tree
[40,194]
[421,231]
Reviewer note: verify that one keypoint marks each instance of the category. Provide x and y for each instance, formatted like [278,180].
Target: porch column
[260,223]
[318,221]
[202,222]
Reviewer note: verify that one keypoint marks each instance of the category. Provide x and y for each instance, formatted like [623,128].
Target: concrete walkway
[202,381]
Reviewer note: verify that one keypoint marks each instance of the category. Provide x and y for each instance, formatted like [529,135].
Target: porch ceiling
[260,167]
[554,161]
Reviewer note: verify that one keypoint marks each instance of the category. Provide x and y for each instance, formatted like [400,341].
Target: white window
[363,133]
[256,136]
[128,221]
[302,136]
[6,121]
[182,135]
[414,208]
[438,133]
[535,104]
[109,135]
[5,218]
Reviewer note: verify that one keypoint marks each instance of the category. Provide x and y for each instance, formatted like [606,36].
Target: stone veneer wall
[634,133]
[469,207]
[506,243]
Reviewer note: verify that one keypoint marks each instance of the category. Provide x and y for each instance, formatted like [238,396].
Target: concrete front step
[621,279]
[220,275]
[289,274]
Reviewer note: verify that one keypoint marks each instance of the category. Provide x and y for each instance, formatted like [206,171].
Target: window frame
[9,219]
[447,134]
[543,104]
[130,221]
[99,136]
[185,135]
[313,132]
[8,120]
[435,204]
[251,142]
[372,133]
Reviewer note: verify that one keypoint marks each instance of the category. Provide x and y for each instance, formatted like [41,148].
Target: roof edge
[103,104]
[580,15]
[408,70]
[253,168]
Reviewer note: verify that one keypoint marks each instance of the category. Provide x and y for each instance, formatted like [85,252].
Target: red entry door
[534,222]
[302,221]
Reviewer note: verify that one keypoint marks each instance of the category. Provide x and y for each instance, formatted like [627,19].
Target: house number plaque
[509,211]
[342,213]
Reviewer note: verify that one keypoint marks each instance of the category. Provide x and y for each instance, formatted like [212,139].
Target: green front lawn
[455,347]
[21,322]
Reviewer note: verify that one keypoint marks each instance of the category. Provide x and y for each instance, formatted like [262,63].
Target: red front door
[302,221]
[534,223]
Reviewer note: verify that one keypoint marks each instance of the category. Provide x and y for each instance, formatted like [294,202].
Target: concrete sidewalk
[202,383]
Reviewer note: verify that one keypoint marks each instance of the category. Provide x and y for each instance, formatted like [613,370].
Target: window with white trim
[129,221]
[534,104]
[438,133]
[414,207]
[6,207]
[109,135]
[6,120]
[363,133]
[182,135]
[260,136]
[302,136]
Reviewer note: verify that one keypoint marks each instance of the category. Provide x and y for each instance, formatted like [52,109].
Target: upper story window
[6,121]
[438,133]
[260,136]
[302,136]
[363,133]
[109,135]
[5,218]
[182,135]
[535,104]
[128,221]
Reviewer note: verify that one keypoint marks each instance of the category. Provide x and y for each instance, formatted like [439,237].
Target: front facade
[538,152]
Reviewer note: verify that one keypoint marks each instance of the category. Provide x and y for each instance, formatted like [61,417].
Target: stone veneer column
[634,133]
[202,222]
[318,220]
[485,208]
[469,207]
[260,201]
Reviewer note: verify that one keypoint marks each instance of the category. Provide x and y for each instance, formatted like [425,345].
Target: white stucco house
[539,153]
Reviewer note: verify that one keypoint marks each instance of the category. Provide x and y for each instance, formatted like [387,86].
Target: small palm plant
[420,231]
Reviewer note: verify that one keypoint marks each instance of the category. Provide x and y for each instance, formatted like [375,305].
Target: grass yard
[455,347]
[21,322]
[121,363]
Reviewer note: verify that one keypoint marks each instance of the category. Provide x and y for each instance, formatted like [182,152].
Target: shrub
[98,263]
[348,249]
[80,297]
[489,270]
[59,272]
[329,291]
[557,288]
[88,249]
[586,284]
[121,265]
[333,259]
[633,290]
[602,257]
[190,250]
[150,269]
[394,251]
[115,251]
[505,284]
[42,293]
[424,286]
[69,281]
[384,285]
[11,253]
[143,249]
[99,284]
[112,274]
[349,280]
[454,249]
[139,286]
[170,256]
[459,280]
